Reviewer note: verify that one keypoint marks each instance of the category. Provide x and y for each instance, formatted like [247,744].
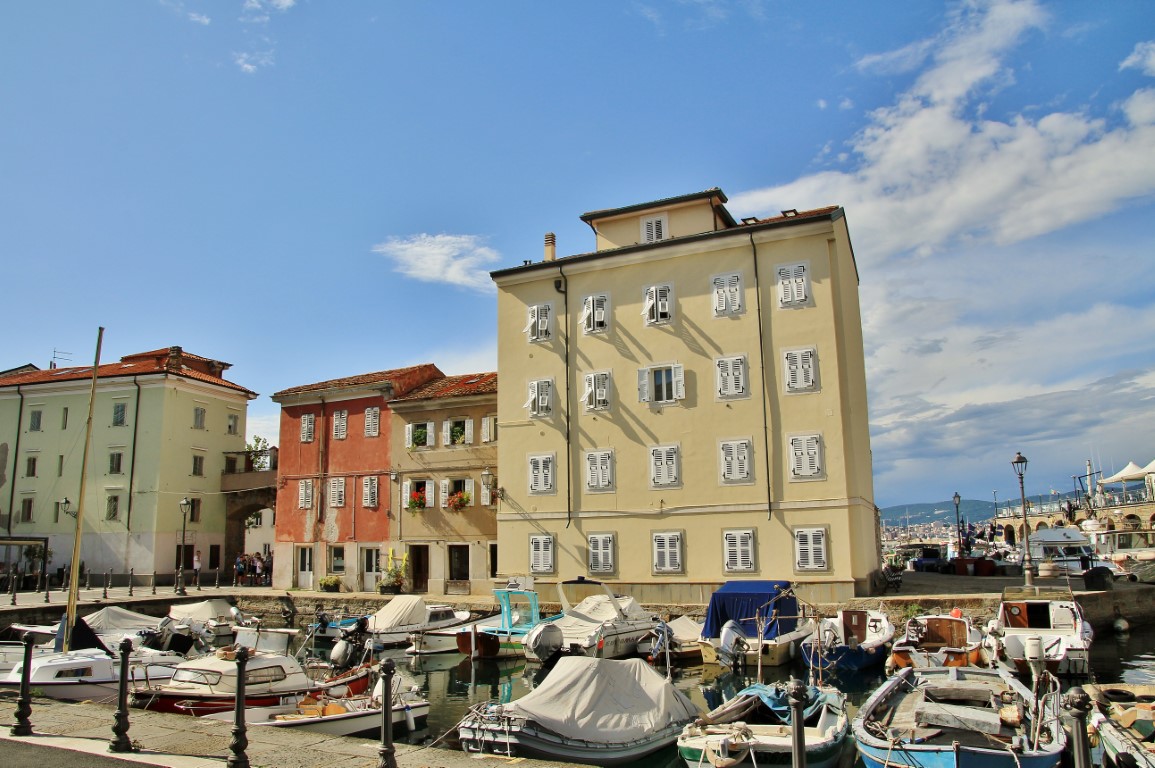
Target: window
[198,467]
[304,494]
[658,308]
[800,369]
[234,424]
[420,435]
[793,285]
[661,384]
[601,547]
[489,429]
[264,675]
[810,549]
[457,432]
[597,391]
[539,327]
[458,561]
[336,559]
[735,461]
[739,550]
[198,418]
[806,457]
[419,492]
[541,473]
[595,313]
[655,228]
[194,511]
[56,512]
[600,470]
[728,294]
[230,465]
[540,402]
[112,508]
[26,509]
[60,466]
[308,427]
[115,460]
[336,491]
[730,377]
[119,414]
[541,554]
[667,551]
[369,491]
[34,420]
[64,419]
[340,424]
[373,421]
[30,466]
[664,466]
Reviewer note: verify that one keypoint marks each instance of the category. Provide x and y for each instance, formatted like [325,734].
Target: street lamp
[66,506]
[490,481]
[957,523]
[1020,465]
[185,507]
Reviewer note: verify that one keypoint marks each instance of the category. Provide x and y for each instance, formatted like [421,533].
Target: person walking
[197,568]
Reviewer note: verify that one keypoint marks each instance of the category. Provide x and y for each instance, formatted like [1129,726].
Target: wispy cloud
[251,61]
[200,18]
[452,259]
[1142,58]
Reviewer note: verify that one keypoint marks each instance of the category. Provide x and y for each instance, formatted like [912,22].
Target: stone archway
[239,505]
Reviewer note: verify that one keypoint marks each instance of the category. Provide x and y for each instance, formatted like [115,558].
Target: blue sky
[310,190]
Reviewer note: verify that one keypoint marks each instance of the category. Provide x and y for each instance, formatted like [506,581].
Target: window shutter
[591,470]
[469,431]
[742,460]
[406,493]
[739,550]
[541,553]
[588,392]
[547,473]
[301,494]
[720,295]
[529,326]
[369,491]
[667,551]
[806,460]
[643,385]
[485,438]
[806,369]
[534,474]
[600,303]
[430,494]
[543,321]
[810,549]
[672,465]
[679,382]
[307,427]
[734,292]
[408,435]
[545,397]
[665,305]
[372,421]
[445,429]
[602,390]
[723,375]
[607,468]
[431,434]
[469,489]
[657,468]
[792,284]
[532,401]
[340,424]
[738,374]
[648,305]
[584,320]
[727,461]
[444,492]
[601,547]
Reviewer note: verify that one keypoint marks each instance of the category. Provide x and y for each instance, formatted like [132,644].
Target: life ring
[874,625]
[724,756]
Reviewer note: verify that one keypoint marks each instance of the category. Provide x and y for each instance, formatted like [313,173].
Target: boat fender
[410,720]
[725,755]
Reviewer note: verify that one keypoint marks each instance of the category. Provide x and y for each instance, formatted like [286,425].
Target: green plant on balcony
[458,501]
[457,434]
[420,437]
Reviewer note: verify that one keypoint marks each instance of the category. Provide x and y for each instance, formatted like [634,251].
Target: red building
[333,483]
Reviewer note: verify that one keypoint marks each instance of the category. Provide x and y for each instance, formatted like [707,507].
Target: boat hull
[769,745]
[843,657]
[363,722]
[491,645]
[524,739]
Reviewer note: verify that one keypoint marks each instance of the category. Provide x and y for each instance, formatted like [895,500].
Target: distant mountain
[973,510]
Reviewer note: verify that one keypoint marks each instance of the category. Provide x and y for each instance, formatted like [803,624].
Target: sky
[310,190]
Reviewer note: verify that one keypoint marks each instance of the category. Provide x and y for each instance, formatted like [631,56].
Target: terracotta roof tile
[455,386]
[361,380]
[130,365]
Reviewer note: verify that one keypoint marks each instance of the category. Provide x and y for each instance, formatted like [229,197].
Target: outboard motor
[545,641]
[1033,653]
[732,646]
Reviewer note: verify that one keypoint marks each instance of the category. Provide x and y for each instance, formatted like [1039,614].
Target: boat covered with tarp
[735,613]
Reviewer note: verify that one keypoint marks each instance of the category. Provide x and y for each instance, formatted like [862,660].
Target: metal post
[37,582]
[1020,465]
[107,584]
[88,579]
[197,579]
[217,579]
[67,580]
[797,691]
[47,592]
[387,755]
[120,741]
[131,578]
[154,582]
[12,587]
[1078,706]
[237,757]
[22,726]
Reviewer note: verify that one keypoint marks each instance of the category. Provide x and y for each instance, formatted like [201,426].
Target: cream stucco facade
[705,413]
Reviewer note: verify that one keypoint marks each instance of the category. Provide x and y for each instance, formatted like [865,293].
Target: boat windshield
[198,676]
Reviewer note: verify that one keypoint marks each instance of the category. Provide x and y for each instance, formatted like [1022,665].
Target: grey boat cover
[604,700]
[113,619]
[214,609]
[401,611]
[686,630]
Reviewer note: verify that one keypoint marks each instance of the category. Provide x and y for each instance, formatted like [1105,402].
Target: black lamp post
[185,507]
[1020,465]
[957,523]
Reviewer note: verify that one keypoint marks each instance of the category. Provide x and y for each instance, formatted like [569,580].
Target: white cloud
[454,259]
[846,104]
[821,103]
[200,18]
[252,61]
[1142,58]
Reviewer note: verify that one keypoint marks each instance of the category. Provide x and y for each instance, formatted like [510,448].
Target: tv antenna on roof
[58,354]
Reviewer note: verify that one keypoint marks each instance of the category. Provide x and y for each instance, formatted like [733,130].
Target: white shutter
[601,546]
[544,317]
[606,467]
[445,432]
[727,461]
[722,373]
[587,313]
[444,492]
[657,467]
[667,552]
[406,493]
[810,549]
[600,306]
[532,321]
[308,421]
[532,401]
[469,431]
[431,434]
[340,424]
[547,471]
[739,550]
[719,295]
[485,438]
[793,365]
[409,436]
[369,491]
[643,385]
[679,382]
[534,474]
[648,304]
[672,465]
[541,553]
[738,374]
[372,421]
[588,391]
[302,494]
[469,490]
[545,397]
[728,294]
[592,470]
[742,460]
[337,491]
[602,390]
[665,308]
[430,494]
[806,456]
[792,284]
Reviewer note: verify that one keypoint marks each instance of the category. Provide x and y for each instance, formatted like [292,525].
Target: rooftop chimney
[550,246]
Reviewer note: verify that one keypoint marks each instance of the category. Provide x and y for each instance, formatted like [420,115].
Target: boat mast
[74,575]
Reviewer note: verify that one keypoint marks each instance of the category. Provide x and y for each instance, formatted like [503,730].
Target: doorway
[419,566]
[305,567]
[370,568]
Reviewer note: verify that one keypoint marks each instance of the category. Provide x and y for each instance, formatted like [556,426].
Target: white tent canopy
[1150,468]
[1130,472]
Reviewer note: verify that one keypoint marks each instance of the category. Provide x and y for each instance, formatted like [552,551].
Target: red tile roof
[364,379]
[455,386]
[796,215]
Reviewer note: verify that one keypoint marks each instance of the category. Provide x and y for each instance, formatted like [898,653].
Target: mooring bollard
[23,726]
[67,579]
[197,578]
[217,580]
[386,753]
[119,741]
[1078,706]
[107,584]
[88,579]
[39,579]
[237,756]
[154,582]
[797,691]
[131,576]
[47,591]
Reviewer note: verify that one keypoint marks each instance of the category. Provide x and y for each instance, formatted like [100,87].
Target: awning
[1130,472]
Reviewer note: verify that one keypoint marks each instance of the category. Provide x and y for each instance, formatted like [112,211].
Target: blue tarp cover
[743,600]
[777,700]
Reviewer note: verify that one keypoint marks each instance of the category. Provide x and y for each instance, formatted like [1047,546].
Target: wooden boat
[1124,723]
[676,640]
[606,625]
[960,717]
[1044,621]
[339,716]
[938,640]
[587,710]
[741,612]
[755,728]
[209,684]
[851,640]
[519,612]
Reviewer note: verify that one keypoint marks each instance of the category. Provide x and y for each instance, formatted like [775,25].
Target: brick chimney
[550,246]
[175,360]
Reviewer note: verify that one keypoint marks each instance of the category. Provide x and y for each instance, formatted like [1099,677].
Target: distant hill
[973,510]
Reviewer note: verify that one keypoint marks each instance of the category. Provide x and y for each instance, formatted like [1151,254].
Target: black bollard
[22,726]
[88,579]
[38,581]
[237,756]
[107,584]
[131,575]
[797,691]
[1078,706]
[154,582]
[120,742]
[12,588]
[387,755]
[64,582]
[217,579]
[47,591]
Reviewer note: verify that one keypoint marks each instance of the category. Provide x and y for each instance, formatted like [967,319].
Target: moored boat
[1124,722]
[404,614]
[762,617]
[91,673]
[938,640]
[1042,622]
[676,640]
[519,612]
[852,639]
[605,625]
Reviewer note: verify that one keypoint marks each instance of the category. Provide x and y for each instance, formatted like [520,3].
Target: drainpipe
[762,363]
[12,480]
[132,465]
[561,285]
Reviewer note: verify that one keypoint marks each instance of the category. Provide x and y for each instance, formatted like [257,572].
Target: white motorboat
[393,623]
[1069,552]
[598,711]
[605,625]
[519,613]
[676,640]
[1132,549]
[444,639]
[754,622]
[215,619]
[853,639]
[1044,625]
[91,673]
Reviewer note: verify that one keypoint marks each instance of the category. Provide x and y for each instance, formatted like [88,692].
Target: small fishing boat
[92,673]
[519,612]
[597,711]
[606,625]
[851,640]
[393,623]
[960,717]
[1132,549]
[938,640]
[1124,722]
[755,728]
[339,716]
[676,640]
[742,611]
[1043,623]
[444,640]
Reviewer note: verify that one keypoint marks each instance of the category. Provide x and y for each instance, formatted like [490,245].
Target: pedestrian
[197,567]
[269,569]
[258,569]
[240,570]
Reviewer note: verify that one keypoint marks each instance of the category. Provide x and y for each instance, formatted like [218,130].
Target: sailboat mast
[74,576]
